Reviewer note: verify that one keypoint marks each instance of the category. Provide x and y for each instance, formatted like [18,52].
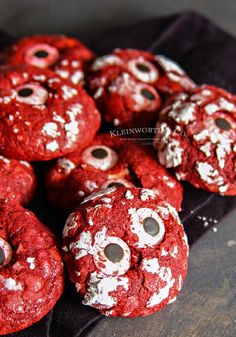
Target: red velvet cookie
[43,116]
[199,138]
[130,85]
[110,161]
[17,180]
[31,269]
[67,56]
[126,252]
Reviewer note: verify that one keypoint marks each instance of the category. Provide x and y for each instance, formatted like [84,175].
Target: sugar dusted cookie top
[42,115]
[131,85]
[126,252]
[67,56]
[199,138]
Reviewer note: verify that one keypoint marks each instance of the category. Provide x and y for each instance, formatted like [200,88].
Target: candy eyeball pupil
[26,92]
[99,153]
[222,124]
[142,67]
[114,252]
[151,226]
[115,184]
[2,256]
[41,54]
[147,94]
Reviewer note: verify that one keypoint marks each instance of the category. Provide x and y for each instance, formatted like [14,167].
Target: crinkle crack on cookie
[106,162]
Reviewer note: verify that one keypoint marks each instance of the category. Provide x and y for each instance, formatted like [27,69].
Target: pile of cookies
[124,246]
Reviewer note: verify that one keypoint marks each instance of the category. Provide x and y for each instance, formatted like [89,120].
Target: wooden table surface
[206,306]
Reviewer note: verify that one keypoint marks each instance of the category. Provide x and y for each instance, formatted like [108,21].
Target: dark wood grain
[206,306]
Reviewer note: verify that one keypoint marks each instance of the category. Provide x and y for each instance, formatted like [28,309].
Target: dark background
[206,305]
[91,17]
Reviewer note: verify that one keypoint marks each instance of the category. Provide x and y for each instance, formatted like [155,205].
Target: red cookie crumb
[17,180]
[106,162]
[43,116]
[130,85]
[31,269]
[67,56]
[199,138]
[126,252]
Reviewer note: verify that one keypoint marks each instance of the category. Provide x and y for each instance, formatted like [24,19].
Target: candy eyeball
[41,55]
[143,70]
[148,227]
[5,253]
[100,157]
[31,93]
[146,98]
[222,124]
[117,183]
[111,254]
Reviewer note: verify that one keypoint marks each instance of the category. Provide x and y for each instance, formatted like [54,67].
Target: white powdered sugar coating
[77,77]
[98,93]
[91,185]
[164,252]
[185,113]
[68,92]
[169,65]
[62,73]
[222,150]
[52,146]
[208,173]
[224,104]
[144,239]
[5,160]
[31,262]
[129,195]
[146,194]
[106,200]
[72,127]
[165,274]
[174,252]
[106,60]
[171,154]
[66,164]
[99,289]
[211,135]
[12,285]
[58,118]
[223,189]
[220,104]
[51,130]
[211,108]
[84,245]
[206,148]
[25,163]
[107,267]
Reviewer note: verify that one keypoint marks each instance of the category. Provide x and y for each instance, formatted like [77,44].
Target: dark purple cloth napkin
[208,54]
